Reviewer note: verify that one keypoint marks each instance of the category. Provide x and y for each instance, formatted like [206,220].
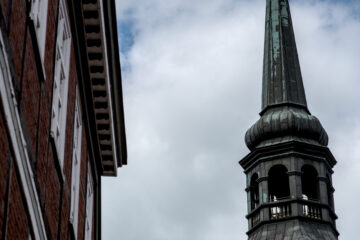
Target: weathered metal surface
[286,121]
[282,80]
[284,109]
[294,230]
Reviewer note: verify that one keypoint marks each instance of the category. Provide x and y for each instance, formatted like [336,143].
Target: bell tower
[289,169]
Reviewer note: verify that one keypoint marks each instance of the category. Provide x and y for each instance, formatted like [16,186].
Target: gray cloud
[192,87]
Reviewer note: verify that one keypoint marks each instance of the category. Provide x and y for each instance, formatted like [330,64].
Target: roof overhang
[103,75]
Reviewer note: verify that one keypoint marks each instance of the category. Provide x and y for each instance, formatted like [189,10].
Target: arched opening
[278,183]
[310,183]
[254,191]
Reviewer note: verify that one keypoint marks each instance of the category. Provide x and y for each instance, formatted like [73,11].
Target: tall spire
[284,114]
[282,81]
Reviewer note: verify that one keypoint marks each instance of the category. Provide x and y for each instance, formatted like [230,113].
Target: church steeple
[289,168]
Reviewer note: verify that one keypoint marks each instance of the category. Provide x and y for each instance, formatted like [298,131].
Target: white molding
[76,166]
[38,13]
[19,145]
[61,83]
[89,204]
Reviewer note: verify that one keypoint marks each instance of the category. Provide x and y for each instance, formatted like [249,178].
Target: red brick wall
[70,120]
[43,142]
[4,8]
[49,48]
[30,95]
[35,101]
[65,214]
[18,224]
[17,35]
[52,202]
[4,169]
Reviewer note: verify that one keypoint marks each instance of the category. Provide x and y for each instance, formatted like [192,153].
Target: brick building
[61,116]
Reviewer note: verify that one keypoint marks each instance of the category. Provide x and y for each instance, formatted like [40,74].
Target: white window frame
[75,170]
[18,142]
[89,205]
[61,82]
[38,13]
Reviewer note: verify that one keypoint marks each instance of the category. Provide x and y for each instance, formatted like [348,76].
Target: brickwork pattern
[34,95]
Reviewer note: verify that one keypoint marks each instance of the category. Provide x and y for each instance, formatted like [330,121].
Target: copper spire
[284,114]
[282,81]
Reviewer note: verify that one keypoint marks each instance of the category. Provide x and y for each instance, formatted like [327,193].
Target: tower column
[264,197]
[295,192]
[323,197]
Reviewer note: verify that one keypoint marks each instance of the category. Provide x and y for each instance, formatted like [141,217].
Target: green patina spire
[288,170]
[284,115]
[282,81]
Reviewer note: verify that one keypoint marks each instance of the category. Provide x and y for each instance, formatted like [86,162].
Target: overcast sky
[191,72]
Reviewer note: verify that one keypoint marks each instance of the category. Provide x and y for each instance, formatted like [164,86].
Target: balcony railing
[281,210]
[255,220]
[312,211]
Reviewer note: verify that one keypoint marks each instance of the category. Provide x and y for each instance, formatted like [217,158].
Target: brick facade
[33,87]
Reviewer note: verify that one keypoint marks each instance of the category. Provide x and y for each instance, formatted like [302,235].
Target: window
[309,182]
[89,204]
[19,146]
[254,191]
[278,183]
[61,81]
[75,172]
[38,14]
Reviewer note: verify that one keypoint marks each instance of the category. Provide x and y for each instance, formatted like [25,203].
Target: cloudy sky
[192,87]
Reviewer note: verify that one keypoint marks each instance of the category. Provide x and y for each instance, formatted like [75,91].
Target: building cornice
[94,26]
[115,79]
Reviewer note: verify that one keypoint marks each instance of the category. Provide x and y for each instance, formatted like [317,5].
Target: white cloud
[192,87]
